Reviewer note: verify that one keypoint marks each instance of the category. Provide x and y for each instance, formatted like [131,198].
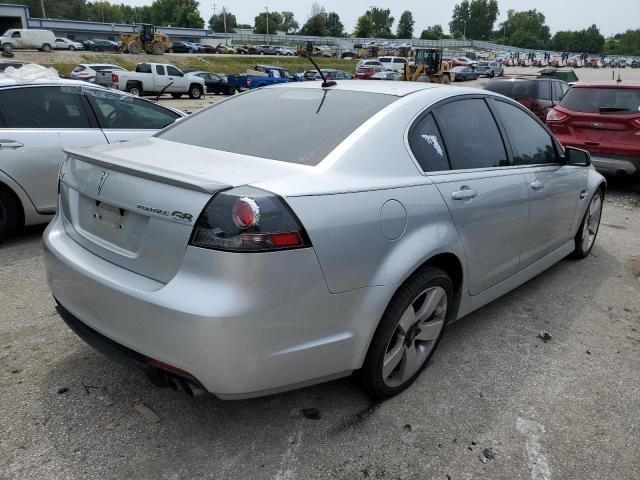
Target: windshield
[513,88]
[603,100]
[296,125]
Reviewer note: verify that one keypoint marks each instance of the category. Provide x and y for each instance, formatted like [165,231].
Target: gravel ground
[565,409]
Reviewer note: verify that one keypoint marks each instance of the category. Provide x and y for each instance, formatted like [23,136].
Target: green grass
[218,63]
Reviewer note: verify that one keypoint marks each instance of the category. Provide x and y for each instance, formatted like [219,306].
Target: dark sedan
[99,45]
[204,48]
[461,74]
[183,47]
[215,83]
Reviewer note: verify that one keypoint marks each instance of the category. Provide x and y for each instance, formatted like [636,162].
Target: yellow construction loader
[428,67]
[145,39]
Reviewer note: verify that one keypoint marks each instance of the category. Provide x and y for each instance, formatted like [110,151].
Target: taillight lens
[247,219]
[114,78]
[556,116]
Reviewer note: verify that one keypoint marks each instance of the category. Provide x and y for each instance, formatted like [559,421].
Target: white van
[22,38]
[395,64]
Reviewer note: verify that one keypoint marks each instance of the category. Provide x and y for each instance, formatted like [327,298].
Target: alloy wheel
[415,336]
[591,223]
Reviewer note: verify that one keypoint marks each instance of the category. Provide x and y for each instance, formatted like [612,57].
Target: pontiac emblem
[103,178]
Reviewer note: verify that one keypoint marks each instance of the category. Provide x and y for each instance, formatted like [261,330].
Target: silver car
[341,238]
[39,119]
[89,71]
[490,69]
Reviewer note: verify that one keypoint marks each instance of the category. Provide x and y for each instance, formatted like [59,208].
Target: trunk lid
[135,204]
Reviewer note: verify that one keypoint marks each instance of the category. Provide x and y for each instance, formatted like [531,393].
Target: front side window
[471,135]
[116,111]
[427,145]
[173,71]
[531,144]
[42,107]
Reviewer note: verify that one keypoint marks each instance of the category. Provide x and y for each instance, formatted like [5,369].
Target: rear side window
[160,69]
[79,68]
[281,132]
[43,107]
[116,111]
[531,144]
[544,90]
[143,68]
[611,101]
[471,135]
[516,89]
[427,145]
[557,91]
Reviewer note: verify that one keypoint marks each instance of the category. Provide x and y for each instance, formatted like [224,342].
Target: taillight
[114,78]
[247,219]
[556,116]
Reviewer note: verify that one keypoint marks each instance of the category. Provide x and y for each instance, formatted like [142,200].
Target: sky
[611,16]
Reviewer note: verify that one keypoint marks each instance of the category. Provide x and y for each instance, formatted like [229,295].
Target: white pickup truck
[153,78]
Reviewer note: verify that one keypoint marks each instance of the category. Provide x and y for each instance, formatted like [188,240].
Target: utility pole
[44,14]
[464,34]
[267,9]
[224,19]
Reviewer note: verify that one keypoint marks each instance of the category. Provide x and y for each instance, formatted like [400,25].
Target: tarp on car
[566,74]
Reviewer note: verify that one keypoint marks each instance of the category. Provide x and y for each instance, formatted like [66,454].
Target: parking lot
[565,408]
[500,399]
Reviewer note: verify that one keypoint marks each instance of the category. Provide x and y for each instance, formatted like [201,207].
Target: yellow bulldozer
[145,39]
[428,67]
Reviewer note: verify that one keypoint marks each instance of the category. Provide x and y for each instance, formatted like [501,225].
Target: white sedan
[66,44]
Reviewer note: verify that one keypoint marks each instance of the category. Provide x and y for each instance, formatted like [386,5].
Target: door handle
[10,144]
[465,193]
[537,185]
[583,194]
[592,144]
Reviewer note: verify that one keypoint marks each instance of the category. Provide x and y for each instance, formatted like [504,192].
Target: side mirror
[577,157]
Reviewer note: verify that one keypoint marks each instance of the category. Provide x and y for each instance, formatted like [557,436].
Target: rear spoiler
[162,175]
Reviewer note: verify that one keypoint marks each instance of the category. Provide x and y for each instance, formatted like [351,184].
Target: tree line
[471,19]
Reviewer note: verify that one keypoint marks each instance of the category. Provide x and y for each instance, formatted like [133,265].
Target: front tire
[7,48]
[586,236]
[195,92]
[72,48]
[8,215]
[409,332]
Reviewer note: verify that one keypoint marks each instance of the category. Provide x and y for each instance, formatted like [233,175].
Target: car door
[160,79]
[487,197]
[123,117]
[36,123]
[177,77]
[554,187]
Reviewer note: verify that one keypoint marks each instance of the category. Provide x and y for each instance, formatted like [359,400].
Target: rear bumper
[616,165]
[243,325]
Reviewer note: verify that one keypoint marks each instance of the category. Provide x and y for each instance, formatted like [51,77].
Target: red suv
[538,94]
[603,118]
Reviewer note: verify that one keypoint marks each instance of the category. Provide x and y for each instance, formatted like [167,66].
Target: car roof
[608,84]
[398,89]
[13,82]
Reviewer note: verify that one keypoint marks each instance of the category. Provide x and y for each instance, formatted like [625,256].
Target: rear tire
[195,92]
[157,48]
[585,239]
[444,80]
[8,215]
[134,47]
[46,48]
[134,90]
[409,332]
[72,48]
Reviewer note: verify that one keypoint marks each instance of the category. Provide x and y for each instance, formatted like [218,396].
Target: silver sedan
[39,119]
[343,235]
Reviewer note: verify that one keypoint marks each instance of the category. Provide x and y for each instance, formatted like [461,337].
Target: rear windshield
[516,89]
[78,68]
[385,59]
[295,125]
[622,101]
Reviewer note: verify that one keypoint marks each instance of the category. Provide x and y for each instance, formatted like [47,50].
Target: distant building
[13,16]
